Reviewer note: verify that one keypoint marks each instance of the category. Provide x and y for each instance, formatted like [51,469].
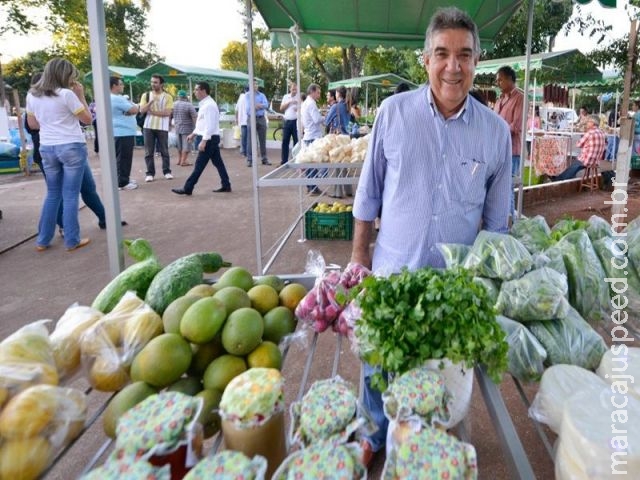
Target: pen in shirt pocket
[476,165]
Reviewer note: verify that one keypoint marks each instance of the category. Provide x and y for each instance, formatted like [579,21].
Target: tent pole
[299,120]
[254,136]
[131,91]
[529,155]
[525,108]
[102,95]
[190,90]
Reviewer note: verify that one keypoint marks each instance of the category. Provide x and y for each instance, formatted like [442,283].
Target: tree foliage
[125,21]
[15,15]
[548,18]
[18,72]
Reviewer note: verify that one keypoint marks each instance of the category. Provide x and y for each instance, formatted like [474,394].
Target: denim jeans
[90,197]
[289,131]
[372,401]
[243,140]
[150,138]
[571,171]
[211,152]
[64,166]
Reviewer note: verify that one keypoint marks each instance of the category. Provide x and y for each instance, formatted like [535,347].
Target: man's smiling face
[451,65]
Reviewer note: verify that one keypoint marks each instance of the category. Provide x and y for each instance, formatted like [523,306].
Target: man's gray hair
[312,88]
[451,18]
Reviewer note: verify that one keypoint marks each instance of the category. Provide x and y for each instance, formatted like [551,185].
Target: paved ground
[42,285]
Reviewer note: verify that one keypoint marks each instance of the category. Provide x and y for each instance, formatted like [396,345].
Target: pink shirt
[509,107]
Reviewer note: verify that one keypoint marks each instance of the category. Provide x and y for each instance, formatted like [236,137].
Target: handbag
[140,117]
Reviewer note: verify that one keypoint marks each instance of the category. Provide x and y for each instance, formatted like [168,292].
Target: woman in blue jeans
[56,104]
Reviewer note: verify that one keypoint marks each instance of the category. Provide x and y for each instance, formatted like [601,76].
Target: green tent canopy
[387,23]
[183,74]
[387,80]
[127,74]
[564,67]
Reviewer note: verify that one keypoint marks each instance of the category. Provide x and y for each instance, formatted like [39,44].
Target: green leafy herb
[566,225]
[412,317]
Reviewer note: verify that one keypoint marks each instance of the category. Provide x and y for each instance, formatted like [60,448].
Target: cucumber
[137,277]
[177,278]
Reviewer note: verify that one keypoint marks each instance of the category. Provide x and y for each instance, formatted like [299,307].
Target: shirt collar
[463,113]
[204,100]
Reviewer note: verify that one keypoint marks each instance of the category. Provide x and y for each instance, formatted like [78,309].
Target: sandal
[82,243]
[42,248]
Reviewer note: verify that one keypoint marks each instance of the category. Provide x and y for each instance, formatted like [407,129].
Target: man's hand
[202,145]
[190,137]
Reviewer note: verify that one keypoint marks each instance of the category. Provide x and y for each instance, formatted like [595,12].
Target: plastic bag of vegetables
[537,295]
[566,225]
[588,292]
[526,355]
[633,241]
[453,253]
[552,258]
[496,255]
[534,233]
[597,228]
[491,286]
[570,340]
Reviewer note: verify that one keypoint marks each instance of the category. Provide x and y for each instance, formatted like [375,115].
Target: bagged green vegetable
[588,292]
[566,225]
[526,355]
[552,258]
[453,253]
[491,286]
[537,295]
[597,228]
[496,255]
[615,263]
[570,340]
[633,242]
[534,233]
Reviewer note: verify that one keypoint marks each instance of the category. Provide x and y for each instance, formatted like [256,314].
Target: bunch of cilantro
[415,316]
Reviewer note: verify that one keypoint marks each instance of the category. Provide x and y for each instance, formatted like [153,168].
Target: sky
[182,38]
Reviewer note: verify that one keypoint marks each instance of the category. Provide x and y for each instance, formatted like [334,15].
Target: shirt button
[435,217]
[439,187]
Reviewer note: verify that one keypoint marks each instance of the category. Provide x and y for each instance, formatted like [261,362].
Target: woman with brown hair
[55,105]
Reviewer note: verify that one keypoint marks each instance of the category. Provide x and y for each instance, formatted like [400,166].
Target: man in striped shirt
[439,166]
[157,104]
[593,144]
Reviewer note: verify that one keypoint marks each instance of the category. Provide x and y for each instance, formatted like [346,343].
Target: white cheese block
[622,370]
[557,385]
[593,429]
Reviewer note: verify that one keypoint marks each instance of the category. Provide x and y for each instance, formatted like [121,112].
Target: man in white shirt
[241,120]
[312,122]
[289,106]
[207,132]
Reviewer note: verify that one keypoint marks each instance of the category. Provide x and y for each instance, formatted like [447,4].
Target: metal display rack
[294,175]
[514,452]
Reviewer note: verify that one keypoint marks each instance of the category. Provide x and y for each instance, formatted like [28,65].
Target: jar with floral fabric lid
[252,413]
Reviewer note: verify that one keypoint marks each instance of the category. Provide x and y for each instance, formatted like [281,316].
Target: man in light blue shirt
[123,113]
[261,104]
[439,167]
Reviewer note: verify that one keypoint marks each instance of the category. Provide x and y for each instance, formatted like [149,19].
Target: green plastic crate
[328,226]
[635,162]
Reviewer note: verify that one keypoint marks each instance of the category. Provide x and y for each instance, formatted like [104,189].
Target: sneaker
[129,186]
[148,178]
[168,176]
